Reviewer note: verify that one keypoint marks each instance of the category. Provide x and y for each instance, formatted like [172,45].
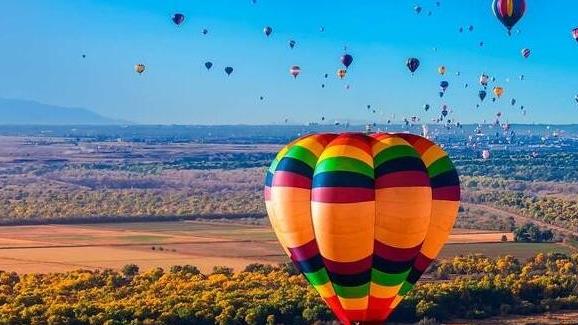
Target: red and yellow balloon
[362,216]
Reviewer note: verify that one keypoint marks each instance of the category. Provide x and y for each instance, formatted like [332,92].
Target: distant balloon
[267,30]
[341,73]
[178,18]
[575,34]
[205,31]
[471,28]
[84,56]
[438,3]
[417,9]
[322,85]
[295,71]
[442,70]
[139,68]
[484,80]
[509,12]
[326,75]
[444,85]
[521,77]
[261,97]
[525,52]
[426,107]
[576,98]
[486,154]
[322,29]
[498,91]
[482,94]
[208,65]
[228,70]
[292,43]
[461,29]
[441,93]
[466,85]
[346,59]
[444,110]
[481,43]
[412,64]
[513,101]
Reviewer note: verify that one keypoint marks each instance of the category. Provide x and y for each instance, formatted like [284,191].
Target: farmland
[54,248]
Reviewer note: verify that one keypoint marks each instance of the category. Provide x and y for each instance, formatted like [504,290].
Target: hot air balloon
[442,70]
[362,216]
[178,18]
[228,70]
[482,94]
[576,98]
[417,9]
[525,53]
[471,28]
[412,64]
[509,12]
[461,30]
[267,30]
[292,43]
[346,59]
[444,110]
[484,80]
[486,154]
[513,101]
[84,56]
[208,65]
[426,107]
[322,85]
[498,91]
[444,85]
[139,68]
[326,75]
[295,71]
[205,31]
[575,33]
[341,73]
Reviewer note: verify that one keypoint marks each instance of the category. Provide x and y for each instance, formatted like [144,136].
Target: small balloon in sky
[208,65]
[292,44]
[417,9]
[267,30]
[228,70]
[205,31]
[178,18]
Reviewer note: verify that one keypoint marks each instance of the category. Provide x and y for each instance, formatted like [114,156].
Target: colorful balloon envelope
[525,53]
[362,216]
[575,34]
[509,12]
[341,73]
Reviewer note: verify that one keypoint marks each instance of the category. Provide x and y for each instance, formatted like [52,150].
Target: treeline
[478,287]
[553,210]
[522,166]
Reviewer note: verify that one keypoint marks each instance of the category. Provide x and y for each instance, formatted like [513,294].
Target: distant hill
[20,112]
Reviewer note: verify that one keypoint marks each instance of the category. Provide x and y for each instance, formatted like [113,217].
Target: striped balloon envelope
[362,216]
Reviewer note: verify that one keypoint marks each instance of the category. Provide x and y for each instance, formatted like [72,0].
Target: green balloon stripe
[303,154]
[388,279]
[393,153]
[352,292]
[440,166]
[318,278]
[344,164]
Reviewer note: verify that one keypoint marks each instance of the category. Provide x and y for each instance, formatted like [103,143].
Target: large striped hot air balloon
[362,216]
[509,12]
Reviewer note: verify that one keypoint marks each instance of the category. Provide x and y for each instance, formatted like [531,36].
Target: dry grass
[54,248]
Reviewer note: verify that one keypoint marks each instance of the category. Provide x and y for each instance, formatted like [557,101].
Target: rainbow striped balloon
[509,12]
[362,216]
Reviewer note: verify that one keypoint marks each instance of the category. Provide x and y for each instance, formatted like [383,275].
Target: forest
[471,287]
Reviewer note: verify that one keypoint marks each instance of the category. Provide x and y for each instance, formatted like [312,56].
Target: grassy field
[52,248]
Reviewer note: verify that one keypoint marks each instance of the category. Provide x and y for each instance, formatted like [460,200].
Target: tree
[130,270]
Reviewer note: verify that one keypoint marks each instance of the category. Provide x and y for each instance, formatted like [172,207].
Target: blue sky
[43,42]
